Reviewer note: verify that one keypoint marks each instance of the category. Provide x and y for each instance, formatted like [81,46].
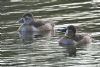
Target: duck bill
[21,20]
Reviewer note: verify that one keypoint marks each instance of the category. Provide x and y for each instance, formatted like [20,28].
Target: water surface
[45,51]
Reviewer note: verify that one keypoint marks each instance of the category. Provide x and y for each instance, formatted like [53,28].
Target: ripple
[45,51]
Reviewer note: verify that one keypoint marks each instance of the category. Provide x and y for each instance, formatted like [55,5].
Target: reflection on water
[95,3]
[44,51]
[29,36]
[15,0]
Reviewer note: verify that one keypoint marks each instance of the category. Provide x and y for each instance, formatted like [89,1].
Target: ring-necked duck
[29,24]
[73,40]
[31,28]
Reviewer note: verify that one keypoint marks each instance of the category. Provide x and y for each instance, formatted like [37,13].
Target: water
[45,51]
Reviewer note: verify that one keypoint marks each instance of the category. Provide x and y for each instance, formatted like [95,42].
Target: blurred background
[45,51]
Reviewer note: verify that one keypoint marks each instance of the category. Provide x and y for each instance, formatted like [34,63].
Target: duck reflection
[29,37]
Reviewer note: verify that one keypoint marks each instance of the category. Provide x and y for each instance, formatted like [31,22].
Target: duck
[29,24]
[72,40]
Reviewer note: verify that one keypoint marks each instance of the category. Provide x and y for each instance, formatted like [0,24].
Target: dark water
[45,51]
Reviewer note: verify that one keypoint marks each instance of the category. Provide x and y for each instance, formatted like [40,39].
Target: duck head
[71,31]
[26,19]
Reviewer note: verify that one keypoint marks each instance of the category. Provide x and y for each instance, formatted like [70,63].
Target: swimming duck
[78,38]
[29,24]
[73,40]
